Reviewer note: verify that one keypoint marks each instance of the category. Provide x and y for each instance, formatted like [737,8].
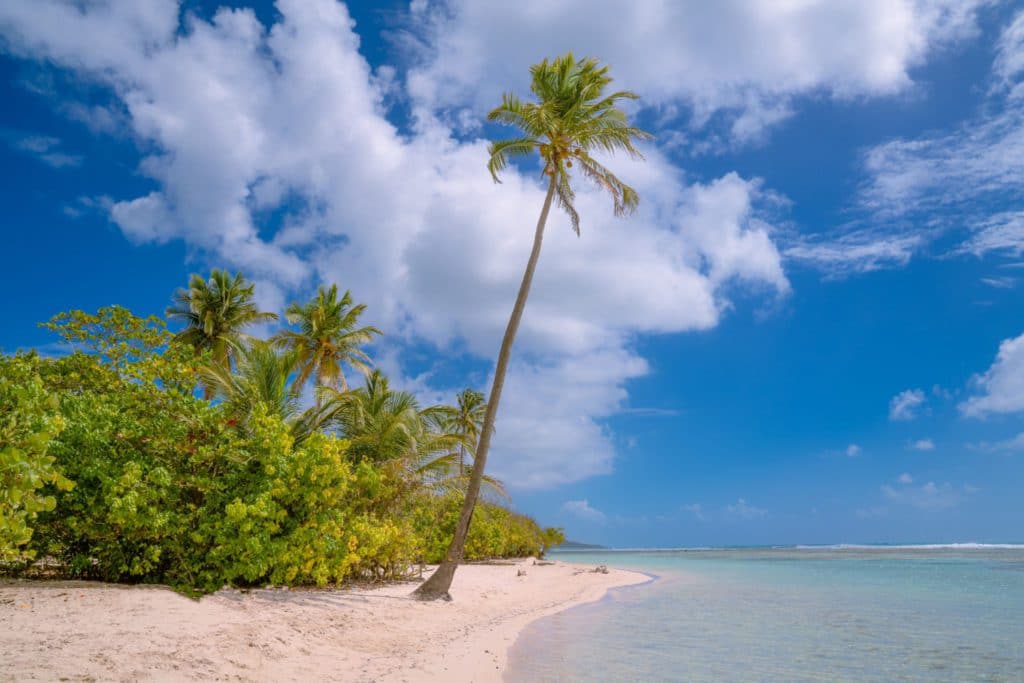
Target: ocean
[841,613]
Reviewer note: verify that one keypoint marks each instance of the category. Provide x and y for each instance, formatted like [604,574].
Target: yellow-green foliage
[495,531]
[29,421]
[113,468]
[298,516]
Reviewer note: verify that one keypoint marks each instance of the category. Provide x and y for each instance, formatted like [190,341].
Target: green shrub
[494,532]
[297,516]
[113,468]
[29,421]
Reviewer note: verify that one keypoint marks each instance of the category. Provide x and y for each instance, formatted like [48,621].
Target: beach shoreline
[75,630]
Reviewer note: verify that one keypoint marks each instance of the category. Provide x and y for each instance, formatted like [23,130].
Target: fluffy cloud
[923,445]
[240,122]
[1002,385]
[739,61]
[852,451]
[905,405]
[581,510]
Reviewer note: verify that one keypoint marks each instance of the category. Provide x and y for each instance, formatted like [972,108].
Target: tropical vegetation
[196,459]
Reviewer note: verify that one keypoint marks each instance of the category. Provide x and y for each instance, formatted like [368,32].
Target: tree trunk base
[431,596]
[436,587]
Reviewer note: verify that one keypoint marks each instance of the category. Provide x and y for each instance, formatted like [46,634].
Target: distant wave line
[833,546]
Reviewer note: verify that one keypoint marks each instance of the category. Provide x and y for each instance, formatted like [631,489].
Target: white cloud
[742,62]
[852,451]
[45,148]
[861,251]
[1014,444]
[965,181]
[1009,64]
[581,509]
[923,445]
[1002,385]
[239,120]
[949,181]
[905,478]
[930,496]
[743,510]
[1003,282]
[906,404]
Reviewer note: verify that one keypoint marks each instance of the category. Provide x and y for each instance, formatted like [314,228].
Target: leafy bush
[297,516]
[113,468]
[29,421]
[494,532]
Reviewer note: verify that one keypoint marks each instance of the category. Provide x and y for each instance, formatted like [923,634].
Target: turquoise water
[799,614]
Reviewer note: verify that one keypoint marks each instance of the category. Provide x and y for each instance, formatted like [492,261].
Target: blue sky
[811,332]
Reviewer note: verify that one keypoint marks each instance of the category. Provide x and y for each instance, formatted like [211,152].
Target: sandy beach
[82,631]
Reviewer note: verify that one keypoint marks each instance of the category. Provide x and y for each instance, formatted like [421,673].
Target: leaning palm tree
[216,313]
[329,337]
[572,119]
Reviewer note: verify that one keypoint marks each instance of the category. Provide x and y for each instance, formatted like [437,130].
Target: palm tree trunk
[436,587]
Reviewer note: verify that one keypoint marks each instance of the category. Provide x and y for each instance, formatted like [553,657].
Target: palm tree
[328,337]
[215,312]
[263,376]
[389,428]
[464,420]
[572,118]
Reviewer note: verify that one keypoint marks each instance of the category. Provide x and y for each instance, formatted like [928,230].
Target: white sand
[92,631]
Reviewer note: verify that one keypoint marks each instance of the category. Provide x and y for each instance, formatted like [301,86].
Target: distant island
[574,545]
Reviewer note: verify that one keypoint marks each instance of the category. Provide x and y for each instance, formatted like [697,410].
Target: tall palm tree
[572,118]
[216,313]
[329,337]
[263,376]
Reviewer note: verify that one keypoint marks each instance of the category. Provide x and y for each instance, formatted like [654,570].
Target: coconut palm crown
[572,119]
[216,313]
[329,336]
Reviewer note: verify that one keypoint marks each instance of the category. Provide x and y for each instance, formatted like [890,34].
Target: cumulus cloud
[581,509]
[734,64]
[852,451]
[923,445]
[239,121]
[906,404]
[905,478]
[1001,387]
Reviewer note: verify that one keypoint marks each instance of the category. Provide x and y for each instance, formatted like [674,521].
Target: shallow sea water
[795,614]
